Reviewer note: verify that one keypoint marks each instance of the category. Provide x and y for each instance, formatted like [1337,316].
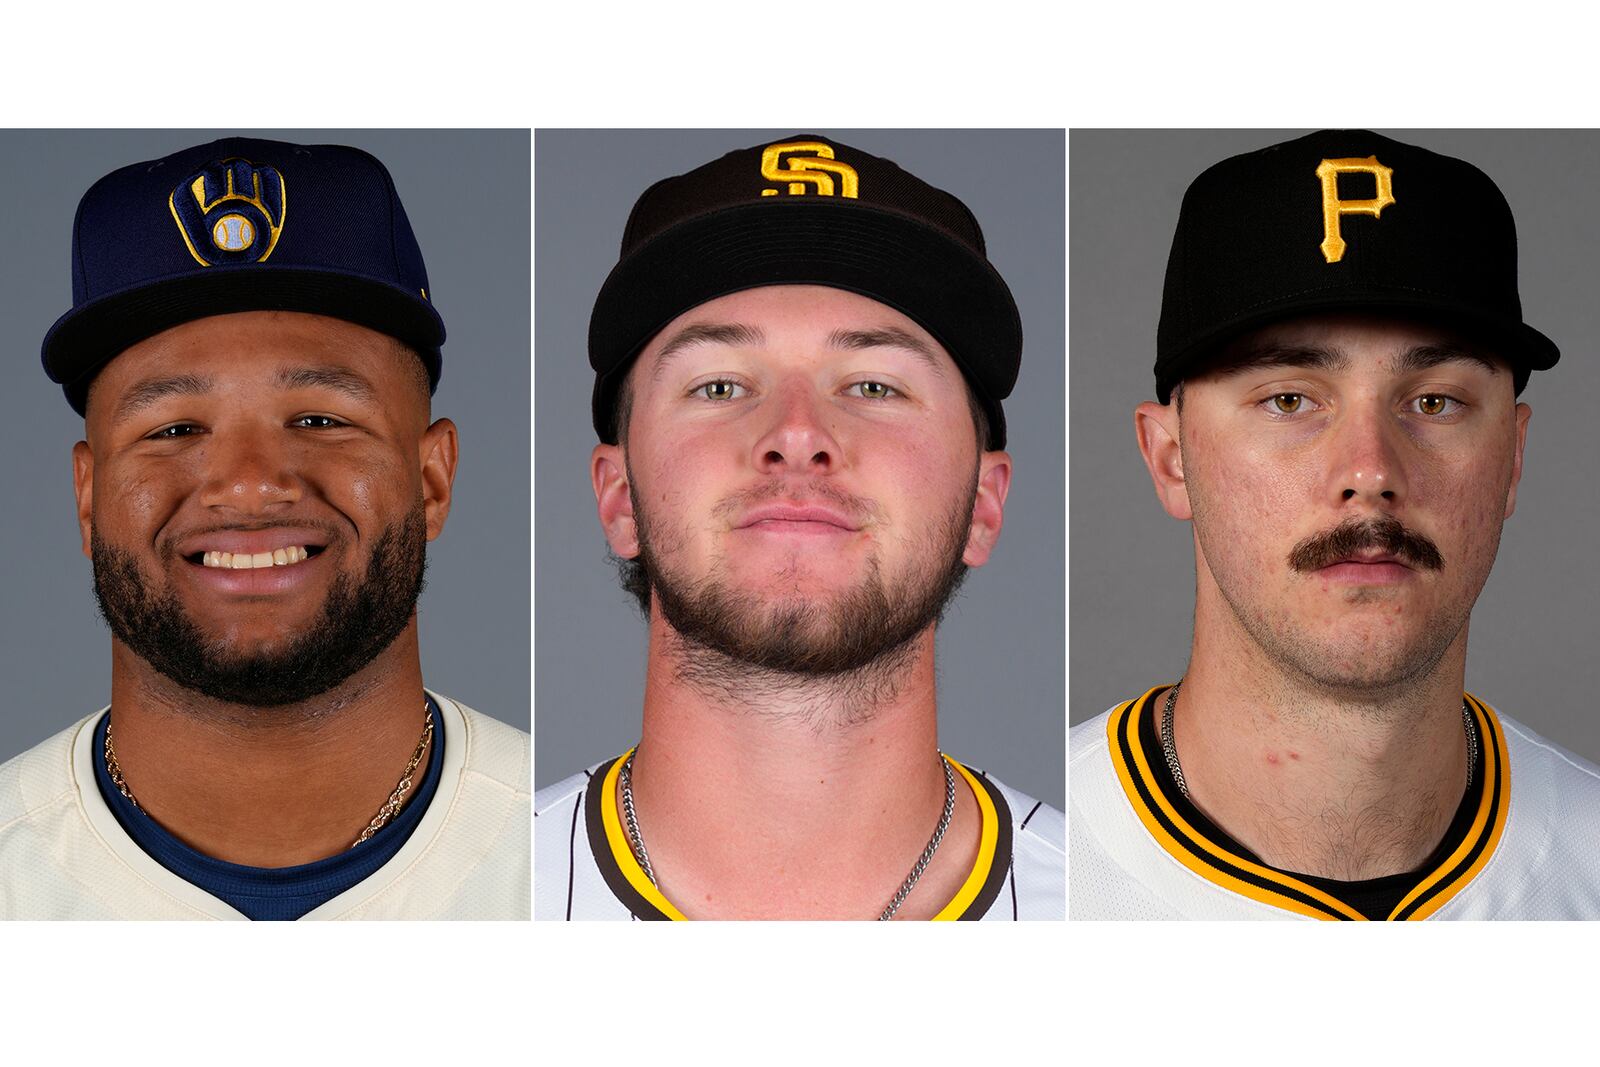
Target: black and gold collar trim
[1179,828]
[608,842]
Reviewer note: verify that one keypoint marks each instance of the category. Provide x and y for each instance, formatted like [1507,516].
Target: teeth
[278,557]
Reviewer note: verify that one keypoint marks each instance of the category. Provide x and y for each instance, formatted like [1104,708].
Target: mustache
[1358,536]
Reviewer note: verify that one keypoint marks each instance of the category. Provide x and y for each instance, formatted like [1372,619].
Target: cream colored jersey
[1525,842]
[63,855]
[585,868]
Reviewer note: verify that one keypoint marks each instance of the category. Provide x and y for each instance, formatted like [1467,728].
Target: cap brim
[1523,347]
[916,269]
[86,338]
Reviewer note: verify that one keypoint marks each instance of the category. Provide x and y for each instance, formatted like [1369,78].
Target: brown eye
[718,390]
[1288,403]
[1432,405]
[874,390]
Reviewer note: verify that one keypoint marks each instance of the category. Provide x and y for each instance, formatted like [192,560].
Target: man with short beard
[800,359]
[1339,358]
[253,347]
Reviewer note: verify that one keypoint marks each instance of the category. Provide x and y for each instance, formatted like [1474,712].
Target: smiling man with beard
[253,348]
[800,359]
[1339,359]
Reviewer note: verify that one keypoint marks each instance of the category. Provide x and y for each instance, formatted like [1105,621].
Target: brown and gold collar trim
[608,842]
[1177,827]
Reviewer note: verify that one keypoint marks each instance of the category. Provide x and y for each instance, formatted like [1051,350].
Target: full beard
[358,621]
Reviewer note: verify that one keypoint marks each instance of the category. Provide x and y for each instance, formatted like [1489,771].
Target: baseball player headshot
[254,347]
[1345,374]
[800,363]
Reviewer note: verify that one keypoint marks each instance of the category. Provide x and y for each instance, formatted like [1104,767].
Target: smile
[278,557]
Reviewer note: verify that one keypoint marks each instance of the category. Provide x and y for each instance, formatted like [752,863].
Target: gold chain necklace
[390,809]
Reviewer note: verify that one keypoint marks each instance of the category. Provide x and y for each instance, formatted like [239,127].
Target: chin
[1367,661]
[248,637]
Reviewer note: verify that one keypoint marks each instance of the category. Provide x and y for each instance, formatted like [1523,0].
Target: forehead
[252,347]
[813,318]
[1355,342]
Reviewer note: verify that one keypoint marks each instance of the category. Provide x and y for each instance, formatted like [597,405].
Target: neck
[268,787]
[1346,783]
[762,795]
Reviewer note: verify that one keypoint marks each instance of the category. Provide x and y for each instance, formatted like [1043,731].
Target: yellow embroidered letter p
[1328,172]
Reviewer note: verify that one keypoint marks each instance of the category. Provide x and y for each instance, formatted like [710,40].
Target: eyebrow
[1422,357]
[707,333]
[153,390]
[736,333]
[1332,358]
[338,379]
[887,337]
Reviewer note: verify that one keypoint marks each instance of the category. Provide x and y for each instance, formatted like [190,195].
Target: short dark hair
[418,371]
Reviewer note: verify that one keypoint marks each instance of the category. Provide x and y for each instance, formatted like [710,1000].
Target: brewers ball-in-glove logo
[230,212]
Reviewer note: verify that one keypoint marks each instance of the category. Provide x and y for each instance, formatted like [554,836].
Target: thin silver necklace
[631,815]
[1169,745]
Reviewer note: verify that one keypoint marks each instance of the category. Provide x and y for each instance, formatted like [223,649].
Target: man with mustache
[800,360]
[1339,358]
[253,346]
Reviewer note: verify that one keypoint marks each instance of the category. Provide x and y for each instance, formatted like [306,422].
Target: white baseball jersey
[1525,842]
[63,855]
[587,870]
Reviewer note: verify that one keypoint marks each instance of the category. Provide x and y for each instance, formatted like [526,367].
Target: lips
[795,516]
[1376,558]
[1384,569]
[256,561]
[238,541]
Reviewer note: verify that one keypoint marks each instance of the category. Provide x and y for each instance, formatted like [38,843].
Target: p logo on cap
[231,211]
[814,172]
[1328,172]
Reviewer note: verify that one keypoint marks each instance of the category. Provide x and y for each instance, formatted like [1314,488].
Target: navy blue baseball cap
[239,224]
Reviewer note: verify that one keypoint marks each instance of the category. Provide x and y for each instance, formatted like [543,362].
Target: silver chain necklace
[631,815]
[1169,745]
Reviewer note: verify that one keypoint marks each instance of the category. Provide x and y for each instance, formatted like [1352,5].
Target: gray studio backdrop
[1000,649]
[467,194]
[1132,577]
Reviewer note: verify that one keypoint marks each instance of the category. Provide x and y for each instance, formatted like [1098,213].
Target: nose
[248,471]
[796,437]
[1367,463]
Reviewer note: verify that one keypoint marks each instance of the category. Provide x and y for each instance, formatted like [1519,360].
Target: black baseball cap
[1341,220]
[240,224]
[807,211]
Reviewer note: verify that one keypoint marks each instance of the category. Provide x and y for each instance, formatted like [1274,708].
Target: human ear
[1156,426]
[608,472]
[83,490]
[988,507]
[1524,413]
[438,453]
